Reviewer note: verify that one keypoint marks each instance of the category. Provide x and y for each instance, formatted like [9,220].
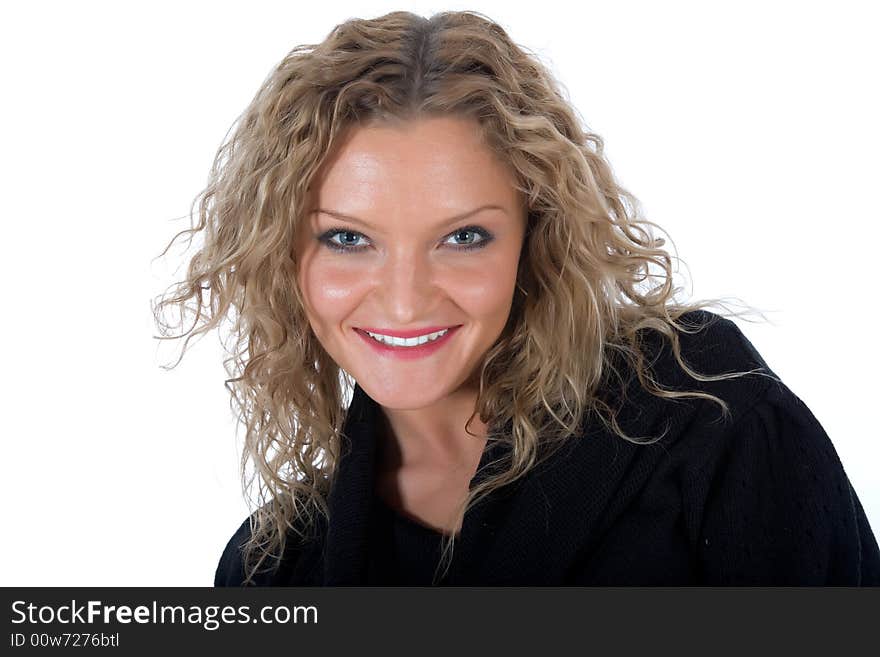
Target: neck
[432,437]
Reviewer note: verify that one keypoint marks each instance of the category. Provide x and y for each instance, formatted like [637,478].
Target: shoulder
[764,414]
[712,344]
[764,496]
[777,505]
[231,567]
[708,345]
[759,494]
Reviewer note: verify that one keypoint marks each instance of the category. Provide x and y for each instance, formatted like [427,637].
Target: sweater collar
[351,497]
[581,476]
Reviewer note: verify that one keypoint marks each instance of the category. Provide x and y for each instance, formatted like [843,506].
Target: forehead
[432,159]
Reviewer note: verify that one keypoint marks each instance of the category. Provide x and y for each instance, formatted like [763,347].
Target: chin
[402,397]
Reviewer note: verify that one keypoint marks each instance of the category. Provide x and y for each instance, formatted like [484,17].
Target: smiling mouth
[404,343]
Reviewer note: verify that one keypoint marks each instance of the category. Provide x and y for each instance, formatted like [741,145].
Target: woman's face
[411,259]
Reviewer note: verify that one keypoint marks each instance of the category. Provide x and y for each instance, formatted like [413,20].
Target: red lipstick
[408,353]
[412,333]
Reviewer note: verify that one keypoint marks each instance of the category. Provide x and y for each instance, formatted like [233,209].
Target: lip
[415,333]
[408,353]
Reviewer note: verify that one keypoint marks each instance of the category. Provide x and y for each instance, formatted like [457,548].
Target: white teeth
[407,342]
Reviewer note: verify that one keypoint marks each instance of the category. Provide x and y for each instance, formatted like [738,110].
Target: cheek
[486,289]
[486,296]
[329,292]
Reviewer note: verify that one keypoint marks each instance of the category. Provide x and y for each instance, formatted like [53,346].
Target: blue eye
[484,237]
[330,234]
[350,238]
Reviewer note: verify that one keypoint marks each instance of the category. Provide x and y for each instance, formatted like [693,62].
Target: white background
[748,131]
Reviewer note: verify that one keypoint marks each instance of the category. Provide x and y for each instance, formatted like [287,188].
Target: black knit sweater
[759,499]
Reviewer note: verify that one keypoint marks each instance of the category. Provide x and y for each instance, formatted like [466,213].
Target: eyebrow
[445,222]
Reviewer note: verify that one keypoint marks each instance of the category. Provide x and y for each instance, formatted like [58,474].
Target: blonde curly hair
[584,286]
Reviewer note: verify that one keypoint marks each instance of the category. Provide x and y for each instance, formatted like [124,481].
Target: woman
[410,212]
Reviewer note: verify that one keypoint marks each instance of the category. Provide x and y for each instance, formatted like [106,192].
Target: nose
[407,287]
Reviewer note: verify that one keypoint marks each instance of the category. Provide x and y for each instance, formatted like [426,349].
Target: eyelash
[333,246]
